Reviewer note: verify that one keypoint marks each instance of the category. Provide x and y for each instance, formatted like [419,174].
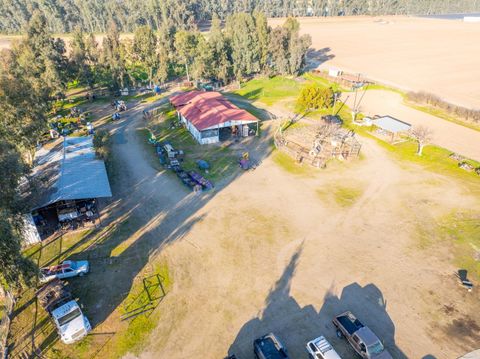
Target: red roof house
[208,115]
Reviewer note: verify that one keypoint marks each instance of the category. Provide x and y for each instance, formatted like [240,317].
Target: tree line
[64,16]
[36,71]
[245,46]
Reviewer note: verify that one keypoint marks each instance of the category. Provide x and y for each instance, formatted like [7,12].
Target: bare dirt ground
[438,56]
[265,252]
[446,134]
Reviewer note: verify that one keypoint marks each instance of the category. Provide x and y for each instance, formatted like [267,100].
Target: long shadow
[317,57]
[296,325]
[147,213]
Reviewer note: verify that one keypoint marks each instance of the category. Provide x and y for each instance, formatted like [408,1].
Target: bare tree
[423,135]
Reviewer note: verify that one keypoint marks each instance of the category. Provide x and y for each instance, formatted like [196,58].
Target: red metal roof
[209,109]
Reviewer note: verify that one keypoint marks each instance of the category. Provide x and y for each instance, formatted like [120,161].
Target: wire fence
[6,309]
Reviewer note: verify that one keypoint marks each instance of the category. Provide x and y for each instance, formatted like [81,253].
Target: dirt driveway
[457,138]
[272,251]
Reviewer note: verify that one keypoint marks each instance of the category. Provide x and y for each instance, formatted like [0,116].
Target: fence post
[5,323]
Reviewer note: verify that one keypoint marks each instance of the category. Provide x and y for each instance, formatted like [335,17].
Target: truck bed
[349,322]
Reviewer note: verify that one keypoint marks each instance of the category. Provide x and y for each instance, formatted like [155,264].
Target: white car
[65,270]
[320,348]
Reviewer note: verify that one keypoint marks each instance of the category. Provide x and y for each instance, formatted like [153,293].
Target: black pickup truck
[360,337]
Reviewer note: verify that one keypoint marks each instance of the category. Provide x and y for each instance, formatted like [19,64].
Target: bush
[435,101]
[101,143]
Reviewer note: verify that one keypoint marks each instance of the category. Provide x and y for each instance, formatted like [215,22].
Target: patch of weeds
[288,164]
[462,231]
[343,196]
[133,338]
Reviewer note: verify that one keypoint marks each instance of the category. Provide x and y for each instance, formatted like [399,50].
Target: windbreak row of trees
[95,15]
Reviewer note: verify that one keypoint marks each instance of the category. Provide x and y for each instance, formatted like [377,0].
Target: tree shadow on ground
[148,212]
[296,325]
[315,58]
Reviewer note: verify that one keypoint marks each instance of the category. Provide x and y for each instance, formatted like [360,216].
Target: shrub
[435,101]
[101,141]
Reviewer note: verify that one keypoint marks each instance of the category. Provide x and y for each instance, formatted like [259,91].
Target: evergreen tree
[263,33]
[185,44]
[83,58]
[241,32]
[113,59]
[221,53]
[145,50]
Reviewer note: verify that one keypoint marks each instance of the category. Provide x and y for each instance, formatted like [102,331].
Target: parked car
[57,300]
[320,348]
[360,337]
[65,270]
[269,347]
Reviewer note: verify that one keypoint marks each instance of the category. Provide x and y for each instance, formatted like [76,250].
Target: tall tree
[42,58]
[145,50]
[83,57]
[16,270]
[185,44]
[278,48]
[263,33]
[202,63]
[220,50]
[241,32]
[113,59]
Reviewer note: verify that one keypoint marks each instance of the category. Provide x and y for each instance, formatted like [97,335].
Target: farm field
[415,54]
[280,249]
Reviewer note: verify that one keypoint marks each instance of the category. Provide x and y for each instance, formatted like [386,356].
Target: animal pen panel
[316,145]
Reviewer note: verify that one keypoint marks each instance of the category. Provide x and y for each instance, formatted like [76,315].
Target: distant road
[449,135]
[412,53]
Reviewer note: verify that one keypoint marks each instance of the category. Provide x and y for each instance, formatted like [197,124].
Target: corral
[319,143]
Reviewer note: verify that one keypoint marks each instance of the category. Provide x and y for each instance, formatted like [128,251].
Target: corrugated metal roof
[473,355]
[209,109]
[391,124]
[80,175]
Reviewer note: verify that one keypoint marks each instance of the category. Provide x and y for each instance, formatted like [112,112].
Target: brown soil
[437,56]
[263,252]
[452,136]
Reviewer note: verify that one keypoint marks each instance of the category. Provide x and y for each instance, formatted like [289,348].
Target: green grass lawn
[223,161]
[288,164]
[270,90]
[460,231]
[123,336]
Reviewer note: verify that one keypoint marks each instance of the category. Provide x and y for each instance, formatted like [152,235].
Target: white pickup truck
[72,325]
[320,348]
[65,270]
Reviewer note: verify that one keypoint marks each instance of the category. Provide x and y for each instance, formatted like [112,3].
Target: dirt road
[411,53]
[265,252]
[452,136]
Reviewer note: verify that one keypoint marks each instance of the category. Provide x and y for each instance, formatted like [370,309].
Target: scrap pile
[464,164]
[172,158]
[66,125]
